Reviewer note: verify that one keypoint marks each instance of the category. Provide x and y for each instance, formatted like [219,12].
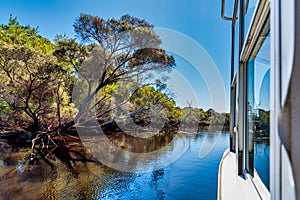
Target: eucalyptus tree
[30,76]
[37,76]
[123,53]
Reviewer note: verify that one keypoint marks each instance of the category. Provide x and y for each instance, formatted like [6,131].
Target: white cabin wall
[282,184]
[275,144]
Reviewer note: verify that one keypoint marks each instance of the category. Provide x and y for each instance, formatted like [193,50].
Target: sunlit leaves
[14,33]
[32,78]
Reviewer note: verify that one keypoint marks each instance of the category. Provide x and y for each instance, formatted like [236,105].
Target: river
[185,167]
[192,175]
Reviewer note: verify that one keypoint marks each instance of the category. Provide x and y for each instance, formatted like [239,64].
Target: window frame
[247,48]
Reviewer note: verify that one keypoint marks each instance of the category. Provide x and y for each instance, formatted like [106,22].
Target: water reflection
[129,154]
[258,109]
[211,140]
[187,178]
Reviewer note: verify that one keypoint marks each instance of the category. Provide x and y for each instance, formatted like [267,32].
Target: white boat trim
[232,186]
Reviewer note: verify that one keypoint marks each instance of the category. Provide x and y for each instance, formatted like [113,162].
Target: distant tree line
[200,118]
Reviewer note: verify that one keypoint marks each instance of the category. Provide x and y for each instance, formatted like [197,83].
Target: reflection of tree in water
[146,139]
[136,153]
[141,145]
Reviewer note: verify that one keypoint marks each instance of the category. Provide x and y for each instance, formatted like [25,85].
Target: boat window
[249,7]
[258,109]
[233,117]
[236,44]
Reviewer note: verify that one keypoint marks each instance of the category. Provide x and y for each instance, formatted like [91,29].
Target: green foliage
[69,52]
[197,116]
[122,52]
[148,96]
[90,28]
[37,76]
[4,108]
[14,33]
[32,78]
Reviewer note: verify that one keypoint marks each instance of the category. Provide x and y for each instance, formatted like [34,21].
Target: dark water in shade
[189,177]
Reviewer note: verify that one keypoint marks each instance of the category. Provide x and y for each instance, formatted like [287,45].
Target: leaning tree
[123,52]
[114,53]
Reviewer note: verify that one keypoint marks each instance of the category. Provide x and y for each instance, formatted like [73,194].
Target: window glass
[233,117]
[236,45]
[258,108]
[249,7]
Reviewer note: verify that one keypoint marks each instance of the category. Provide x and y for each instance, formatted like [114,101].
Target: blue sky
[198,19]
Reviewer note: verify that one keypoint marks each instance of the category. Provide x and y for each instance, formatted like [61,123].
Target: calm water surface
[193,176]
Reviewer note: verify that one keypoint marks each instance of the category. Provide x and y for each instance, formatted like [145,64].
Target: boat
[263,159]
